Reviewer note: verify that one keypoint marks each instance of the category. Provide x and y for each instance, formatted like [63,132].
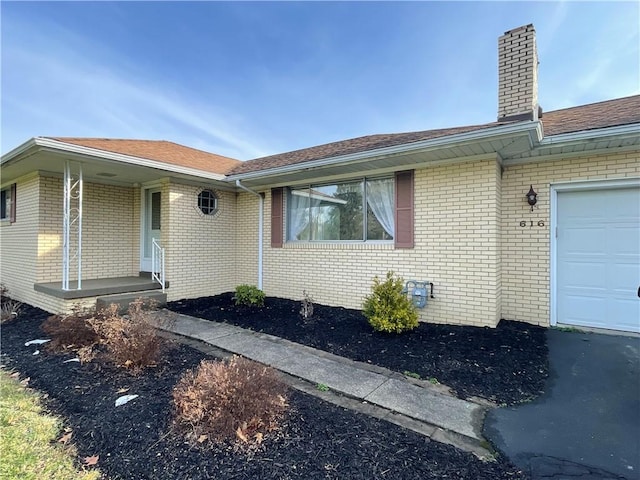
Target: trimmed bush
[129,341]
[71,332]
[225,401]
[249,295]
[387,308]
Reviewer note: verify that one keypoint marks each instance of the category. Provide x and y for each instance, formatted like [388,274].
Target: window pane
[155,210]
[380,209]
[3,204]
[336,212]
[207,202]
[298,214]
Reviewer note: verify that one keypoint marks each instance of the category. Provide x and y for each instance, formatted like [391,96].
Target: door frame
[145,262]
[554,189]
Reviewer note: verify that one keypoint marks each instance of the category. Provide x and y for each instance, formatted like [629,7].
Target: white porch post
[72,223]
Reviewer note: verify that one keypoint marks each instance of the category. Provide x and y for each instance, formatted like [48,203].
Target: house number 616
[531,223]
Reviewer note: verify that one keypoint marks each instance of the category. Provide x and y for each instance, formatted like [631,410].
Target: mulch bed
[506,365]
[136,441]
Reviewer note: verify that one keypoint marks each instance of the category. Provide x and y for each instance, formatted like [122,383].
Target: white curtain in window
[299,213]
[380,199]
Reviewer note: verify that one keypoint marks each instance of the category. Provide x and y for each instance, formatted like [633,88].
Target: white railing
[157,263]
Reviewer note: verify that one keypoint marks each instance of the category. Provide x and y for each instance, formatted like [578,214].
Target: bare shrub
[71,332]
[306,309]
[87,354]
[129,341]
[224,401]
[9,308]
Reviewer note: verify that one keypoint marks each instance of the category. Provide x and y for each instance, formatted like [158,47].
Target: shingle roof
[610,113]
[352,145]
[622,111]
[159,150]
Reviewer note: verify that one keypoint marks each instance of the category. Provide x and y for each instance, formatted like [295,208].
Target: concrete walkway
[374,390]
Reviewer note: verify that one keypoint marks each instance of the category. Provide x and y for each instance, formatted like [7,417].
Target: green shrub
[387,308]
[249,295]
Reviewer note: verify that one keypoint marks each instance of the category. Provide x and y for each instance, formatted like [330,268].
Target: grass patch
[28,438]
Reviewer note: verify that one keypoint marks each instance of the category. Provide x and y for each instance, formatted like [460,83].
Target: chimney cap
[523,27]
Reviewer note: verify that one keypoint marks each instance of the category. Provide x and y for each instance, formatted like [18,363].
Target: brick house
[450,207]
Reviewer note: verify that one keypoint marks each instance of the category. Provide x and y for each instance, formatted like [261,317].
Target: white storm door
[151,227]
[598,258]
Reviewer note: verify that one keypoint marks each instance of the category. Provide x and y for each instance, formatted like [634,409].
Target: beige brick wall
[19,242]
[526,251]
[457,222]
[109,232]
[200,249]
[517,72]
[247,239]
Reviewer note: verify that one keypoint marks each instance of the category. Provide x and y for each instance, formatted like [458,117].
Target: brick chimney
[518,75]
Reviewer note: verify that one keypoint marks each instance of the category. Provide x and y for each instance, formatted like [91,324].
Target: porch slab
[98,287]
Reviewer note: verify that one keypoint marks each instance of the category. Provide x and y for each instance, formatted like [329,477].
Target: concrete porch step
[99,287]
[124,299]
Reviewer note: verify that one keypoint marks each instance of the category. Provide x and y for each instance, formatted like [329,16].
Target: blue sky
[247,79]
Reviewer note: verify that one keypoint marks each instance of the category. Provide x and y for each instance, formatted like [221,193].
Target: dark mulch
[506,365]
[135,441]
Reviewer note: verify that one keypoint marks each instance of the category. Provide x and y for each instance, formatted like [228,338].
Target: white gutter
[18,150]
[595,134]
[260,228]
[48,143]
[533,128]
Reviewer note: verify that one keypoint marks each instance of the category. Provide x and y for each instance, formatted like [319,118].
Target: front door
[151,227]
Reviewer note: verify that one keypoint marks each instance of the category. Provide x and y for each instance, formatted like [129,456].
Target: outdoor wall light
[532,197]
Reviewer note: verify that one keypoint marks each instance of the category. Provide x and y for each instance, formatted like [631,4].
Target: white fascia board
[19,150]
[534,129]
[586,135]
[58,146]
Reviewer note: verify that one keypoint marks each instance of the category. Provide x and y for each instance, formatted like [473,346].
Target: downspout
[260,228]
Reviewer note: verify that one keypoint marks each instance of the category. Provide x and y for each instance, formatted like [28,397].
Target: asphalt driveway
[587,424]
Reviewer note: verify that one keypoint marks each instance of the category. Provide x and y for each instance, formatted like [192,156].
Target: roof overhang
[586,142]
[48,156]
[489,142]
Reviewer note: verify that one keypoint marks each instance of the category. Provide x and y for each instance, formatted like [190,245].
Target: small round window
[207,202]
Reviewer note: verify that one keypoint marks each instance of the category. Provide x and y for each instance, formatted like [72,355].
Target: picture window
[357,210]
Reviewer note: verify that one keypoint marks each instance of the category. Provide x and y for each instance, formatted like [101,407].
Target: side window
[8,204]
[208,202]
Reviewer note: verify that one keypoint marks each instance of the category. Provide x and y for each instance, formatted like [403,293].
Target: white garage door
[598,258]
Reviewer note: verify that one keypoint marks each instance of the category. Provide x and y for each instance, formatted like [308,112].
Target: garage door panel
[598,258]
[625,277]
[583,309]
[618,311]
[624,239]
[584,240]
[582,274]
